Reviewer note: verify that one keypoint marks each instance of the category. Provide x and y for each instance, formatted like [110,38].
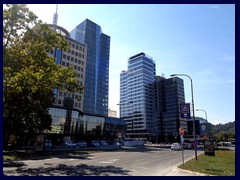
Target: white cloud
[214,6]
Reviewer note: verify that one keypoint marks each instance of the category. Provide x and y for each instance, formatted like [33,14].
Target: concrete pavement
[174,171]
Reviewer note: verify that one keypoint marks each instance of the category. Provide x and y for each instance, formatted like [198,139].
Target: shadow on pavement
[10,163]
[65,170]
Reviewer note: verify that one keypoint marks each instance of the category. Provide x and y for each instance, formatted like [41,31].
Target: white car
[70,144]
[176,146]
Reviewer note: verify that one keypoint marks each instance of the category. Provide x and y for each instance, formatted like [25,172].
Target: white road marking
[109,161]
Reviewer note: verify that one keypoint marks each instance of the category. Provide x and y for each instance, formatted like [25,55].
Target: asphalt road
[147,161]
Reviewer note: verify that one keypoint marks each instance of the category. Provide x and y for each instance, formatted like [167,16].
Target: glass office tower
[97,67]
[137,96]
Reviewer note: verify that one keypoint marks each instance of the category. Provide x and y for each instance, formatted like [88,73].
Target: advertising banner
[185,110]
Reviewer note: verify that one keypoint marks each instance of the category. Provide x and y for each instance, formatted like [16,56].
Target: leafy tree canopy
[30,75]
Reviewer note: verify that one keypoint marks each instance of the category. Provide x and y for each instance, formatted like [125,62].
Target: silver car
[176,146]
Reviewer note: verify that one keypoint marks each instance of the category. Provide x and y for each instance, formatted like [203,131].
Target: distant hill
[226,128]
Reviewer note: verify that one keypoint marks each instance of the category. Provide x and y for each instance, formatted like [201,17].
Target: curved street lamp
[194,132]
[203,111]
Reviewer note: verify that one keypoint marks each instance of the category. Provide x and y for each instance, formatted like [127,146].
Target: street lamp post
[203,111]
[194,132]
[119,124]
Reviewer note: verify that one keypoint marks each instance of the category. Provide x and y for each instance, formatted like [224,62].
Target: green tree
[219,136]
[29,74]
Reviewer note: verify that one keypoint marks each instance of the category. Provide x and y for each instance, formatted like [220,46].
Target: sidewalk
[180,172]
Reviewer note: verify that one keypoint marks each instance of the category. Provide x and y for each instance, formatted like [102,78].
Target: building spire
[55,16]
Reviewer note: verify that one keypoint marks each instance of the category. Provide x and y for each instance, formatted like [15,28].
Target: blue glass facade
[97,67]
[138,96]
[83,126]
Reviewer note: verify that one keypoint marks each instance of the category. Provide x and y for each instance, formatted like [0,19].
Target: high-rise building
[137,96]
[170,94]
[75,57]
[97,66]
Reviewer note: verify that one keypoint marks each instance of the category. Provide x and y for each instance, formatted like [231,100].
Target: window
[76,46]
[68,57]
[73,45]
[78,68]
[63,63]
[67,64]
[76,60]
[72,59]
[76,53]
[64,56]
[72,52]
[76,104]
[75,67]
[51,51]
[79,61]
[59,101]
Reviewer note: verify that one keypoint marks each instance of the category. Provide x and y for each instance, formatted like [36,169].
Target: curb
[193,172]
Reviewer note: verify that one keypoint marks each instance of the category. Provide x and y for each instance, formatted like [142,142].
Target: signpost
[181,132]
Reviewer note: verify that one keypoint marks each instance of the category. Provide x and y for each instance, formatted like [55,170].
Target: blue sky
[197,40]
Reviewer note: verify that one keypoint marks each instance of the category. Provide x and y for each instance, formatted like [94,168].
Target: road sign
[181,131]
[185,110]
[182,139]
[203,127]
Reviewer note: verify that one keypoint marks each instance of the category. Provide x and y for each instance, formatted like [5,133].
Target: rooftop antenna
[55,17]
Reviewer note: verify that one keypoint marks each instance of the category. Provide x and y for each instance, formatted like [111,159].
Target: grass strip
[222,164]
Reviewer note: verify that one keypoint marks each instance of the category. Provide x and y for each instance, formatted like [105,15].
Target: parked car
[187,146]
[103,143]
[94,143]
[48,143]
[70,144]
[82,144]
[176,146]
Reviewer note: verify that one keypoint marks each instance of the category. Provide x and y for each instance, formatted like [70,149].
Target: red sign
[181,131]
